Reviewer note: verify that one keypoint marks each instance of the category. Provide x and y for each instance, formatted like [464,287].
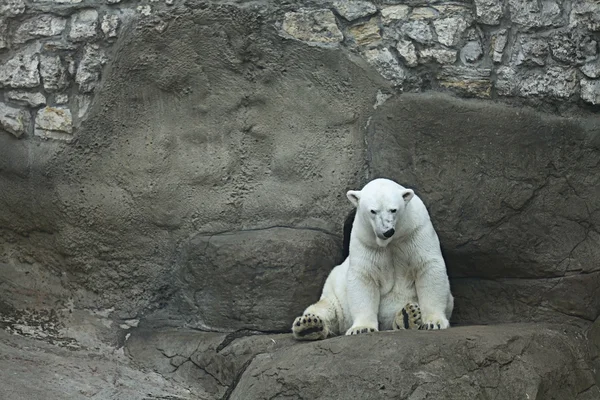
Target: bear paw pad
[357,330]
[409,317]
[309,327]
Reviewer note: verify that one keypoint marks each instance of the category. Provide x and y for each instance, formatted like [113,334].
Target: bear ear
[407,194]
[353,196]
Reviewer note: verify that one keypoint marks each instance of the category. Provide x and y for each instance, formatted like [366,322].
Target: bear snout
[389,233]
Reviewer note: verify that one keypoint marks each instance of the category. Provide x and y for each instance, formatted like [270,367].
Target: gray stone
[394,13]
[387,65]
[90,68]
[21,70]
[61,98]
[532,14]
[14,120]
[498,43]
[467,80]
[354,9]
[3,33]
[113,1]
[316,27]
[449,30]
[533,51]
[54,74]
[555,82]
[475,362]
[424,13]
[407,51]
[440,56]
[12,8]
[573,47]
[33,99]
[110,25]
[366,34]
[592,70]
[488,12]
[82,103]
[590,91]
[261,265]
[54,123]
[586,13]
[471,52]
[84,25]
[419,31]
[44,25]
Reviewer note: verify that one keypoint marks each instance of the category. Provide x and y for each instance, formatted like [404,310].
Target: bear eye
[393,210]
[373,212]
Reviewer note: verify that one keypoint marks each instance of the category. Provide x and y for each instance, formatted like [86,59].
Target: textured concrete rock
[54,123]
[110,25]
[573,47]
[14,120]
[532,14]
[501,362]
[424,13]
[387,65]
[53,73]
[366,34]
[591,70]
[408,52]
[533,51]
[440,56]
[488,12]
[497,45]
[471,52]
[259,279]
[449,30]
[3,33]
[21,70]
[534,256]
[394,13]
[33,99]
[590,91]
[555,82]
[84,25]
[12,8]
[312,26]
[90,67]
[41,26]
[466,80]
[354,9]
[586,13]
[419,31]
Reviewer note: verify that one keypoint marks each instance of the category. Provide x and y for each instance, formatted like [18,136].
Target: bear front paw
[434,323]
[408,318]
[309,327]
[357,330]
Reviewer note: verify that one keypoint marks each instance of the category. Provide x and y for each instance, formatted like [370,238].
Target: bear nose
[389,234]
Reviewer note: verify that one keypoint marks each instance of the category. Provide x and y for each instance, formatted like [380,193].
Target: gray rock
[573,47]
[110,25]
[488,12]
[354,9]
[54,74]
[533,14]
[12,8]
[84,25]
[533,51]
[471,52]
[366,34]
[386,64]
[449,30]
[44,25]
[440,56]
[54,123]
[33,99]
[90,68]
[394,13]
[500,362]
[21,70]
[467,80]
[407,51]
[498,43]
[61,98]
[591,70]
[14,120]
[3,33]
[555,82]
[82,103]
[424,13]
[276,274]
[419,31]
[590,91]
[586,13]
[316,27]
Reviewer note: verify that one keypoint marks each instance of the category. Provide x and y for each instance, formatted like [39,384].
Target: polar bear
[394,276]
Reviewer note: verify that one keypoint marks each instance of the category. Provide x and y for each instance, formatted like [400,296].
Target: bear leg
[408,318]
[315,322]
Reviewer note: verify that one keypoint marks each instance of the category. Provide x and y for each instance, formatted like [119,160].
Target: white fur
[380,276]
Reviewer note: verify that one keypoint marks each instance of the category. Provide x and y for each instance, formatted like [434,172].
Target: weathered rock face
[513,196]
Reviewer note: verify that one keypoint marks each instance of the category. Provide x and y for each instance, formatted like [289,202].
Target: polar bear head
[382,203]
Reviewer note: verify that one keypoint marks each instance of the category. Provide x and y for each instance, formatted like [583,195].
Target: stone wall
[53,52]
